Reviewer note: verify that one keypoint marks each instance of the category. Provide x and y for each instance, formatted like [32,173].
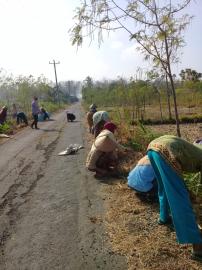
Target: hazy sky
[34,32]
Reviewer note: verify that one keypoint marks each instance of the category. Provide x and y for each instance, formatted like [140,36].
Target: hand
[127,149]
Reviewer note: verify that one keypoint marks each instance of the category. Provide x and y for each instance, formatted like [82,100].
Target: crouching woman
[170,156]
[102,158]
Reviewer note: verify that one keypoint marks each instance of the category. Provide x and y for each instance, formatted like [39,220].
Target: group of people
[159,172]
[36,111]
[21,117]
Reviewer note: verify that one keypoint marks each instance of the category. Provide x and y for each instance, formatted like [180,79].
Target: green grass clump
[193,183]
[5,128]
[142,137]
[51,107]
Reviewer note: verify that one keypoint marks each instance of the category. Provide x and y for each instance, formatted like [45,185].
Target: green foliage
[193,183]
[5,128]
[142,137]
[190,75]
[51,107]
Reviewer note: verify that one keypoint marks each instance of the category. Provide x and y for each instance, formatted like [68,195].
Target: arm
[119,146]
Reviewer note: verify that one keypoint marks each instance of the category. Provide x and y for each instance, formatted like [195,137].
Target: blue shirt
[141,178]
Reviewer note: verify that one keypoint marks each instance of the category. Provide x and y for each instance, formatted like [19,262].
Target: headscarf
[110,126]
[92,106]
[100,115]
[93,110]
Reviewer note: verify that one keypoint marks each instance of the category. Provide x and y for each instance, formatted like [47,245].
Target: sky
[35,32]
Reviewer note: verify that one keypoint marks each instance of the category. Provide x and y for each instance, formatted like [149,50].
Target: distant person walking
[35,112]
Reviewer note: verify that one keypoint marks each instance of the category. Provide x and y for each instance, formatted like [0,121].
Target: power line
[56,80]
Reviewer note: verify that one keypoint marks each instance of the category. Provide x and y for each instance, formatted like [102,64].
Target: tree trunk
[175,102]
[160,106]
[168,98]
[169,72]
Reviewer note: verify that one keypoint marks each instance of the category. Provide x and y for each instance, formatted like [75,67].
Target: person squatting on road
[35,112]
[70,116]
[99,119]
[170,156]
[89,116]
[44,113]
[102,158]
[20,116]
[3,115]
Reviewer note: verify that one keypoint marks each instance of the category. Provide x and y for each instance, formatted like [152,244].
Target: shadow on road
[49,130]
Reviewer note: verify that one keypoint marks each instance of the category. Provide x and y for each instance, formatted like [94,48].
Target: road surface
[49,204]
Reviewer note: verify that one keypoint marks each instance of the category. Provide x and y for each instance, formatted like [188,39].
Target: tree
[190,75]
[155,25]
[88,88]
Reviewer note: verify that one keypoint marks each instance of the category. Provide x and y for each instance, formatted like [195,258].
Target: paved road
[47,203]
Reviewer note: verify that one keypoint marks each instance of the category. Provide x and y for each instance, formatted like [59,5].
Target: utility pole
[56,80]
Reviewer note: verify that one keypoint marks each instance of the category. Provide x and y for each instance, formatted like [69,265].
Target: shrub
[5,128]
[142,137]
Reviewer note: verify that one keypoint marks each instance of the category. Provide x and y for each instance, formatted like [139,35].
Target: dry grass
[189,132]
[134,233]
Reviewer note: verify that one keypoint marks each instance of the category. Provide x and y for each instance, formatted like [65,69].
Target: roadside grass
[5,128]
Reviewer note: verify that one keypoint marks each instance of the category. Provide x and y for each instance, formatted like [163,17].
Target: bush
[5,128]
[51,107]
[193,183]
[191,119]
[142,137]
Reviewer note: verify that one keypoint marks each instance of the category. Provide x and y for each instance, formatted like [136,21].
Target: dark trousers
[35,121]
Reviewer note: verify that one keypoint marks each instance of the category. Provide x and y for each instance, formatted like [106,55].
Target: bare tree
[157,27]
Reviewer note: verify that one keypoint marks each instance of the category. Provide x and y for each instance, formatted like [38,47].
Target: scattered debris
[71,149]
[4,136]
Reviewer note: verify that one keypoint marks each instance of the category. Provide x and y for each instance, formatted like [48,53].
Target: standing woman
[170,156]
[35,112]
[99,119]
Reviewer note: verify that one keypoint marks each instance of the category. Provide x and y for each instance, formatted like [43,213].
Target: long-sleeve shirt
[35,107]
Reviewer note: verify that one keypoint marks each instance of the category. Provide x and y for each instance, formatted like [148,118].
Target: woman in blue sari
[170,156]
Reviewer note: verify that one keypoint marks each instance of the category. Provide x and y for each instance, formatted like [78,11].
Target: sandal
[196,257]
[168,223]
